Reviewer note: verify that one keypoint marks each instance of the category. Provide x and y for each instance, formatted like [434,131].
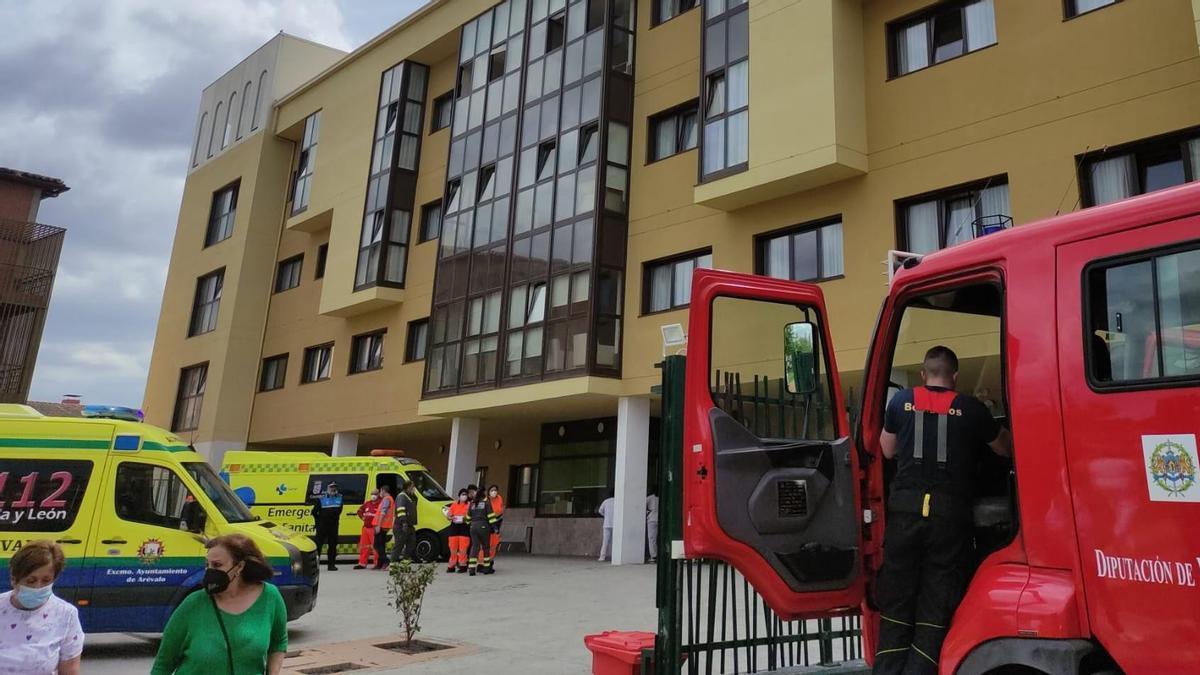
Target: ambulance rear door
[771,477]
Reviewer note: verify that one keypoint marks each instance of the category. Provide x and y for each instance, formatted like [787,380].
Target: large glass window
[954,215]
[577,466]
[189,398]
[725,97]
[532,168]
[1144,319]
[944,31]
[443,107]
[305,162]
[1137,168]
[391,188]
[232,508]
[206,303]
[220,215]
[810,252]
[667,284]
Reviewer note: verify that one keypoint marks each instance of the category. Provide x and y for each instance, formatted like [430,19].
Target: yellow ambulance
[132,507]
[281,487]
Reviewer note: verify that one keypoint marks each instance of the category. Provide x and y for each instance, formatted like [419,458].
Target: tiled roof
[56,409]
[51,187]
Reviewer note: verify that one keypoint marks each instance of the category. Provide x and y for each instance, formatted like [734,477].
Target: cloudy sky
[103,94]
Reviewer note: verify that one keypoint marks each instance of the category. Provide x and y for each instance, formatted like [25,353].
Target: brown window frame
[443,102]
[308,354]
[928,13]
[677,10]
[670,261]
[366,341]
[322,259]
[281,373]
[199,305]
[943,195]
[180,397]
[220,225]
[1070,10]
[762,242]
[1139,149]
[280,279]
[410,355]
[677,113]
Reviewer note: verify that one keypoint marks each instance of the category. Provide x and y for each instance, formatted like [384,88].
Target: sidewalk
[537,611]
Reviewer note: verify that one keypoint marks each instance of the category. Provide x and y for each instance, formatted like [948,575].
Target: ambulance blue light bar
[113,412]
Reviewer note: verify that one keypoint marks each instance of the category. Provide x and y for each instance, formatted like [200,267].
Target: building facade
[29,254]
[507,200]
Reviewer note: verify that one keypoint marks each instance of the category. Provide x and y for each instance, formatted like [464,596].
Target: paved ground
[537,611]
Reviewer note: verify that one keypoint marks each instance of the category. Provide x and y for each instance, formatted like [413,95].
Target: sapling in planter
[406,588]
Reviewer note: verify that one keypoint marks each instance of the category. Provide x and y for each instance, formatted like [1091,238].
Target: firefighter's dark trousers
[924,575]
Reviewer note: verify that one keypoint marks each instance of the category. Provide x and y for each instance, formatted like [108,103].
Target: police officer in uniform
[327,510]
[933,433]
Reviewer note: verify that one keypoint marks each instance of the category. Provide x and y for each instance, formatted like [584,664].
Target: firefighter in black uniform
[933,432]
[406,523]
[327,511]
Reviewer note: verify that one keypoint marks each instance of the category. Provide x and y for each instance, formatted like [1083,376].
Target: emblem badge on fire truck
[1171,467]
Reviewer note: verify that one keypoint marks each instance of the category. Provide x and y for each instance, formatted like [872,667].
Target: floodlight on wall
[674,340]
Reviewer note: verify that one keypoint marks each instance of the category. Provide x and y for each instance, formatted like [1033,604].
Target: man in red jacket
[366,538]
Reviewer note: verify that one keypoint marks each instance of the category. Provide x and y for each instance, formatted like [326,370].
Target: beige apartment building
[468,238]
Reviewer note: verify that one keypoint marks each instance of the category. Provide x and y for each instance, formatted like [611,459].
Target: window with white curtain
[1145,166]
[667,284]
[1077,7]
[725,142]
[946,30]
[674,131]
[809,252]
[665,10]
[954,215]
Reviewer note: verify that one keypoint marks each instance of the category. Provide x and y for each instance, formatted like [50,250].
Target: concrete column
[464,449]
[345,444]
[633,452]
[214,451]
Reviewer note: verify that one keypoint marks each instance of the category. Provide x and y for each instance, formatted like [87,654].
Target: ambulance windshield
[428,486]
[232,508]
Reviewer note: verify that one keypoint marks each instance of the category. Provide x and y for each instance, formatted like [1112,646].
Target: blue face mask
[32,598]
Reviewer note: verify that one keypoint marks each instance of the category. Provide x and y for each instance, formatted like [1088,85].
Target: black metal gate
[710,619]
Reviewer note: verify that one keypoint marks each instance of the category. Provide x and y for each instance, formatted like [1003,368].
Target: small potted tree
[406,590]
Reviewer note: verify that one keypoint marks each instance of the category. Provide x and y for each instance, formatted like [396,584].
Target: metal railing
[710,618]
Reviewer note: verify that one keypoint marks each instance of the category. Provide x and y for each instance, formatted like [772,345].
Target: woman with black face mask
[237,624]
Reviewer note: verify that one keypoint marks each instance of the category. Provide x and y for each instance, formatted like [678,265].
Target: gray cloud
[103,94]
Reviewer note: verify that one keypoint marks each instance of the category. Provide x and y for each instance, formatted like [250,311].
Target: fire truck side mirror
[800,357]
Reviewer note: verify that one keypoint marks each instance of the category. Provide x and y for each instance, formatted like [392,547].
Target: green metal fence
[710,619]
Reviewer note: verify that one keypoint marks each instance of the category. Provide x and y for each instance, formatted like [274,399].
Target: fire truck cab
[1080,333]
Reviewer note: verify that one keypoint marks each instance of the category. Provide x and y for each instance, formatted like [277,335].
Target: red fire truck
[1080,333]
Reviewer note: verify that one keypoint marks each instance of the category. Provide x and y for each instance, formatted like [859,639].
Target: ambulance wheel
[425,548]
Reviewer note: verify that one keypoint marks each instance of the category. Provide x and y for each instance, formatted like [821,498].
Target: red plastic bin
[617,652]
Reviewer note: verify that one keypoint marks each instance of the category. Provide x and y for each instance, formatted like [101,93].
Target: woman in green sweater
[238,626]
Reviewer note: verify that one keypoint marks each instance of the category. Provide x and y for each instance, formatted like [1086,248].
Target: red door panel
[1125,300]
[781,506]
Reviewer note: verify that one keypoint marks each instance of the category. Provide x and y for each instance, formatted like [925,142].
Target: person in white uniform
[652,524]
[39,631]
[607,509]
